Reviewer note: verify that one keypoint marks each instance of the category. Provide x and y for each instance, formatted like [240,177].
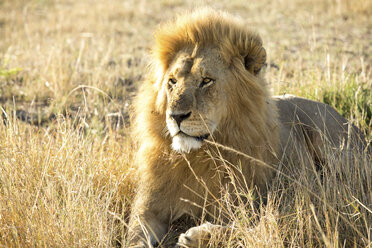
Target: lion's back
[315,128]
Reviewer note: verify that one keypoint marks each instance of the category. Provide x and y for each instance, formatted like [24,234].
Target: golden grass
[61,188]
[72,68]
[305,207]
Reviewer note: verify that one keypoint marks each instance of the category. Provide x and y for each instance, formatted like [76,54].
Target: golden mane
[202,28]
[235,42]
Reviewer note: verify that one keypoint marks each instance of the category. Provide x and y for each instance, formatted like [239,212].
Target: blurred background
[88,56]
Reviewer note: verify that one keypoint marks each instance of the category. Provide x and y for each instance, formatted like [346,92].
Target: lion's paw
[198,236]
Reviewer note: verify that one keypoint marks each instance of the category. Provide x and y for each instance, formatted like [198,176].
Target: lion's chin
[182,143]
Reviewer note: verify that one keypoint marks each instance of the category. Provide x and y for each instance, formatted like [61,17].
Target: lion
[205,87]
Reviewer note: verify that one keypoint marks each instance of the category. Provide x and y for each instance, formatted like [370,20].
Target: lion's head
[205,67]
[205,61]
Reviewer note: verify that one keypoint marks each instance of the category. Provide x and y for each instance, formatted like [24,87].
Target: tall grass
[62,188]
[306,206]
[68,72]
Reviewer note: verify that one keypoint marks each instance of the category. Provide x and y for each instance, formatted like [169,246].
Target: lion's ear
[255,59]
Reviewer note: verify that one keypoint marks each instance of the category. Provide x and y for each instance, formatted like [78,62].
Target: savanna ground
[68,72]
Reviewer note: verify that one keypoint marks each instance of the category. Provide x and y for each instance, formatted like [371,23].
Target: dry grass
[68,71]
[60,187]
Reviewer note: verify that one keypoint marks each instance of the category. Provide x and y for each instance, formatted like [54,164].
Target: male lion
[205,88]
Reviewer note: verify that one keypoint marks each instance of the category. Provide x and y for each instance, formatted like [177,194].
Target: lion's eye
[206,82]
[172,81]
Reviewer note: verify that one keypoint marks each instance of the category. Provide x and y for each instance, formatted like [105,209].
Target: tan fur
[247,120]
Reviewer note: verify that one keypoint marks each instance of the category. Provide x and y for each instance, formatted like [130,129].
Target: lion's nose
[181,117]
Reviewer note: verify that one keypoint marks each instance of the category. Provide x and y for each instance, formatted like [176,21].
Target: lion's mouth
[198,138]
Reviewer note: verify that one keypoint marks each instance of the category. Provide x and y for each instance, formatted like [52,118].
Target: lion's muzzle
[180,117]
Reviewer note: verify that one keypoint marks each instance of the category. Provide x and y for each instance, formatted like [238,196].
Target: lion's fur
[206,28]
[252,125]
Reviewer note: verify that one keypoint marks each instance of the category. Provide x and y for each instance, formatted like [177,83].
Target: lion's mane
[252,125]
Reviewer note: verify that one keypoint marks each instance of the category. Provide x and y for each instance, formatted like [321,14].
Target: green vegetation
[354,102]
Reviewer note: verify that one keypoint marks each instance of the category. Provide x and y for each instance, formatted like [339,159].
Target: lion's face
[196,99]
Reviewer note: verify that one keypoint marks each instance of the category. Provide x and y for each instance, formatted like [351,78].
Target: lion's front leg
[145,232]
[148,222]
[200,236]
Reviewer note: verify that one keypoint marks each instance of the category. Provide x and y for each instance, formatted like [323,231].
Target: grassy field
[69,70]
